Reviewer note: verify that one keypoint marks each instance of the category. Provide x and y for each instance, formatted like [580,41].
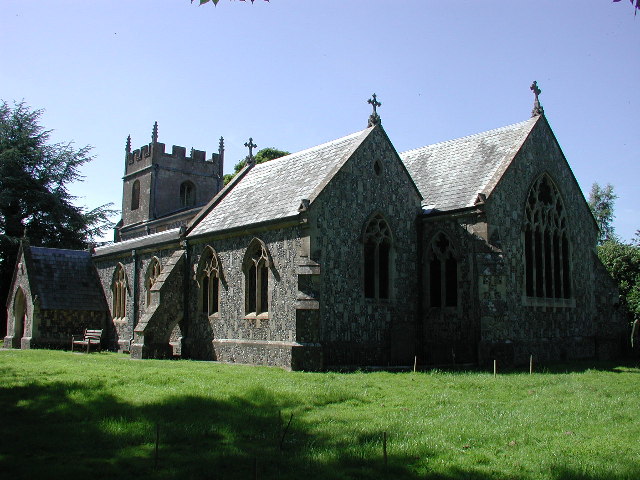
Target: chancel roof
[450,174]
[275,189]
[64,280]
[157,238]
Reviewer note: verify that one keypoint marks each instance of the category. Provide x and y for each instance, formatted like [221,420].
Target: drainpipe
[134,293]
[420,344]
[185,292]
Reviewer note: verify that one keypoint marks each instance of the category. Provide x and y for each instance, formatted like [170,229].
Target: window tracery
[256,271]
[546,243]
[443,272]
[377,258]
[119,289]
[153,272]
[209,279]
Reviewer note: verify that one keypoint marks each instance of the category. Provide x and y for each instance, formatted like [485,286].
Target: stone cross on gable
[374,118]
[537,108]
[250,145]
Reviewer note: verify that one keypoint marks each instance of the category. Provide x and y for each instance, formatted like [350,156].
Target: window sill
[257,320]
[378,300]
[548,302]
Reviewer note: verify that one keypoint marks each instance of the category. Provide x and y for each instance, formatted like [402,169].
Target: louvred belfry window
[377,258]
[187,194]
[135,195]
[546,243]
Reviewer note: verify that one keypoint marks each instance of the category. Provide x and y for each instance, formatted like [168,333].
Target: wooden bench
[90,337]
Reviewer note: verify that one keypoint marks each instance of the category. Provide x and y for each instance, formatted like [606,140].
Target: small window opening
[187,194]
[135,195]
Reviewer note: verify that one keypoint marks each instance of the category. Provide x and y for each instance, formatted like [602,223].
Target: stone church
[345,254]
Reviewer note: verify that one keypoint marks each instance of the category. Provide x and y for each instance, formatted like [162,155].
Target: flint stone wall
[120,331]
[514,326]
[230,335]
[450,335]
[355,330]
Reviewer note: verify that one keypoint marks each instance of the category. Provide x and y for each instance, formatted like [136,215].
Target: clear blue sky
[296,73]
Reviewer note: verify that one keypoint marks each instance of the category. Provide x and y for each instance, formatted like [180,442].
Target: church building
[344,254]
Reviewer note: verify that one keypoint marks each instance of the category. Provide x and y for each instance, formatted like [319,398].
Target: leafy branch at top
[215,2]
[636,6]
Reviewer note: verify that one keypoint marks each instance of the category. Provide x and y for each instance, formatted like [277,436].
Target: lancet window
[135,195]
[546,243]
[443,272]
[377,258]
[256,274]
[209,279]
[187,194]
[153,272]
[119,290]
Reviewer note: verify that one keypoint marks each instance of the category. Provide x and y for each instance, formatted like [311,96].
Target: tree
[264,155]
[215,2]
[602,202]
[622,260]
[636,7]
[34,198]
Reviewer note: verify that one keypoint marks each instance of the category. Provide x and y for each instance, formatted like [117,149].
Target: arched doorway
[19,317]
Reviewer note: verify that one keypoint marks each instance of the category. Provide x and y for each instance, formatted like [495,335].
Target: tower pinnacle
[154,133]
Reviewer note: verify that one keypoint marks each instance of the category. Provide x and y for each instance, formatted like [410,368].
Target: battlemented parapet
[157,184]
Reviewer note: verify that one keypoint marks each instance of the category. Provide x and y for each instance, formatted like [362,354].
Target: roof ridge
[74,250]
[473,135]
[311,149]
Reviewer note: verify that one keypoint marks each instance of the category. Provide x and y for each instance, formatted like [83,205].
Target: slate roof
[139,242]
[64,280]
[450,174]
[274,190]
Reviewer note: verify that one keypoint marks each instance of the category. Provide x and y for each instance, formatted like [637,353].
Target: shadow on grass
[74,430]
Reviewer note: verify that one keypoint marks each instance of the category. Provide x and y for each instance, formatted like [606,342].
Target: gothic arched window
[153,272]
[135,195]
[546,244]
[209,274]
[256,273]
[119,289]
[443,272]
[377,258]
[187,194]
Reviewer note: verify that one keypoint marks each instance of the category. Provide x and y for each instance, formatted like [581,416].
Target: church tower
[165,190]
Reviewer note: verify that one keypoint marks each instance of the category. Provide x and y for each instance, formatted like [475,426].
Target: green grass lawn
[69,415]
